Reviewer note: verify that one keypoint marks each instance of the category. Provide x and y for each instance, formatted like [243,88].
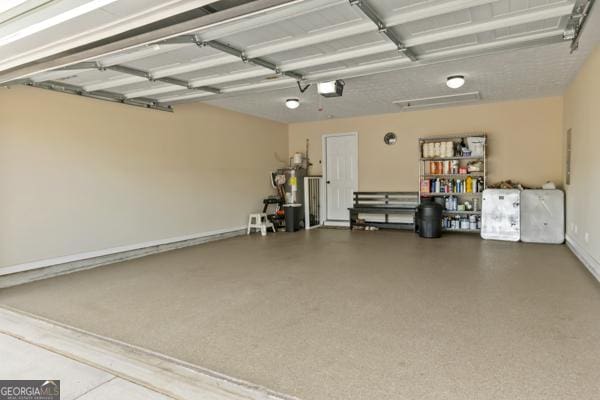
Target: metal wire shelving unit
[463,196]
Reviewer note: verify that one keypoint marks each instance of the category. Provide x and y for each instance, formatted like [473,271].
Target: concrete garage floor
[334,314]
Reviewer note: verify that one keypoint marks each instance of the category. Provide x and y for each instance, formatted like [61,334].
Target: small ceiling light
[455,81]
[331,89]
[292,104]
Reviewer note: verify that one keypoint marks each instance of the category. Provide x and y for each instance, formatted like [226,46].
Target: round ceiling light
[292,104]
[455,81]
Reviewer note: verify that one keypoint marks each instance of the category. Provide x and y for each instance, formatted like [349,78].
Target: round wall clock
[390,138]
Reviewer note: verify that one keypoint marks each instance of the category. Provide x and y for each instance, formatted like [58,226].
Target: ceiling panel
[151,56]
[60,25]
[91,77]
[447,44]
[145,85]
[47,11]
[223,70]
[288,29]
[327,48]
[523,29]
[366,60]
[12,50]
[390,7]
[177,56]
[435,24]
[503,7]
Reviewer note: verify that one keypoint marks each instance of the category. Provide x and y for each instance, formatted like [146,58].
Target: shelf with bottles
[425,195]
[452,171]
[446,186]
[458,176]
[462,230]
[453,167]
[463,147]
[459,158]
[460,206]
[461,223]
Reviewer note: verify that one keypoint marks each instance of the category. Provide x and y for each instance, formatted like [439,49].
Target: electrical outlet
[572,227]
[576,229]
[587,237]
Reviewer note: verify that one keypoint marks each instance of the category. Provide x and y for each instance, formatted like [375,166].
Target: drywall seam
[586,258]
[23,273]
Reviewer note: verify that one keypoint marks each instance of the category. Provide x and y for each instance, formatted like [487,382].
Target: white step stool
[260,221]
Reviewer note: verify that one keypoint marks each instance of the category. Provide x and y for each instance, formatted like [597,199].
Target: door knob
[328,182]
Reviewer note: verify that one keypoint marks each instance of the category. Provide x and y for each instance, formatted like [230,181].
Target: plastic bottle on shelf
[450,147]
[457,149]
[454,166]
[464,223]
[469,185]
[473,222]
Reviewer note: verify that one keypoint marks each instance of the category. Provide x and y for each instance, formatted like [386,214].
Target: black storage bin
[293,217]
[429,220]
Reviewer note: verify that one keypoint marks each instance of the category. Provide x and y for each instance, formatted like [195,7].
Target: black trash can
[429,220]
[292,217]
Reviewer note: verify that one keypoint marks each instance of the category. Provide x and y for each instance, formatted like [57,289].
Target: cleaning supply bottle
[469,185]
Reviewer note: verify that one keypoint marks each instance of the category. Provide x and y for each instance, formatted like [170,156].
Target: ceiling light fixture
[53,21]
[331,89]
[455,81]
[292,104]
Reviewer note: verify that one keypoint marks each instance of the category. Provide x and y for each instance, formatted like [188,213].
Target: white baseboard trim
[585,257]
[337,223]
[22,273]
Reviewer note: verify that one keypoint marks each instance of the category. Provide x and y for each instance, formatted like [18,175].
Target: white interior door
[341,169]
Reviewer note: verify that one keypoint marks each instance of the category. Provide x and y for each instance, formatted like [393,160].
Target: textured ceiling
[516,74]
[385,50]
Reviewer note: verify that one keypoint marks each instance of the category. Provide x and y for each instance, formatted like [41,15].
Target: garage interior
[300,199]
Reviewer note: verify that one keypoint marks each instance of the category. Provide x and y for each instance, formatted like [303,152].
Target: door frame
[326,220]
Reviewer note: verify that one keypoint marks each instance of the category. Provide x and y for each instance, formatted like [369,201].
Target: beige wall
[79,175]
[582,115]
[525,141]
